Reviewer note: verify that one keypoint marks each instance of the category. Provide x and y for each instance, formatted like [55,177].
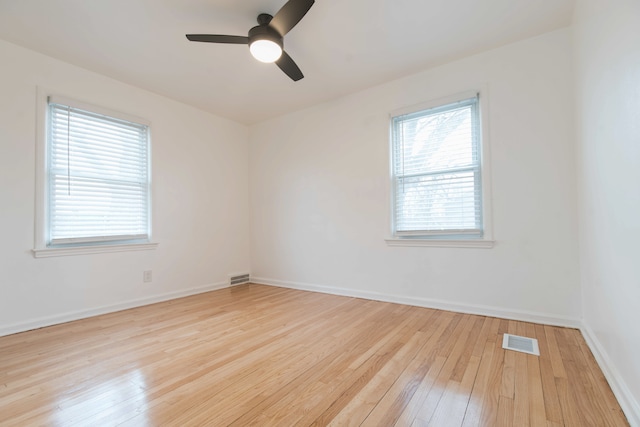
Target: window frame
[42,248]
[447,239]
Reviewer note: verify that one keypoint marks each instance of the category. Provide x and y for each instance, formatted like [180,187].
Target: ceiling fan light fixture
[265,40]
[265,50]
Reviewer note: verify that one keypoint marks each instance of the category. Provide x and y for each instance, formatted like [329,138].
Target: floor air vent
[521,344]
[239,279]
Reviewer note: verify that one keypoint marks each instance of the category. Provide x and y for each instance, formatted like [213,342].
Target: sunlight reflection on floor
[106,403]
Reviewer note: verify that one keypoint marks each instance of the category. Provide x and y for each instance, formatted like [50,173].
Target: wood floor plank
[432,364]
[590,385]
[570,415]
[461,367]
[537,412]
[455,400]
[363,403]
[231,384]
[336,387]
[316,388]
[505,412]
[554,353]
[491,399]
[550,393]
[521,385]
[586,408]
[317,381]
[612,406]
[491,356]
[256,355]
[427,409]
[362,372]
[412,408]
[392,406]
[508,374]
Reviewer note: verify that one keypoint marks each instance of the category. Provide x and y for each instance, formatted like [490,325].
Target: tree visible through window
[437,171]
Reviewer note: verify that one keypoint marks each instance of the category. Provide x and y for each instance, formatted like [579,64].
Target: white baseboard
[630,406]
[525,316]
[83,314]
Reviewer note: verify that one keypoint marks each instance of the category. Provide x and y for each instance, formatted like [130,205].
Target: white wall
[320,192]
[607,42]
[200,200]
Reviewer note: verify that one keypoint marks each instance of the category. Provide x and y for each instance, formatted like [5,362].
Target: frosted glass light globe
[265,50]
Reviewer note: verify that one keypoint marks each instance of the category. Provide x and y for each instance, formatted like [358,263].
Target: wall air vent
[238,279]
[521,344]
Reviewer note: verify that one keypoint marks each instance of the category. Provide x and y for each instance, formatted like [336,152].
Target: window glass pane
[98,177]
[445,201]
[437,142]
[436,165]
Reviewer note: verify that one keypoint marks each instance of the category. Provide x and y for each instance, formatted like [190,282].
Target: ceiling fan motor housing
[264,31]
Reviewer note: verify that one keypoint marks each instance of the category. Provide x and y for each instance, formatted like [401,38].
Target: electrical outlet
[146,276]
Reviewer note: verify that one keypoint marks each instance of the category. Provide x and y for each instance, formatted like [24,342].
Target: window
[97,177]
[437,176]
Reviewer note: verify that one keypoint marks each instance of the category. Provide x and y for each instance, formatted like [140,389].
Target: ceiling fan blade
[286,64]
[218,38]
[290,14]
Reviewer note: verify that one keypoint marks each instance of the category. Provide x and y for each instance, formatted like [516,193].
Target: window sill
[442,243]
[96,249]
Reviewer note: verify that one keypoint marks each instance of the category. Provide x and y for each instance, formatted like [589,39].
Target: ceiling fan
[266,39]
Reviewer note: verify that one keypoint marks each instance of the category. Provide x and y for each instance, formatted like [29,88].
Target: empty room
[311,213]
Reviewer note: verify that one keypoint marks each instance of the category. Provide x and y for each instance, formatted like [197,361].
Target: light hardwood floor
[261,355]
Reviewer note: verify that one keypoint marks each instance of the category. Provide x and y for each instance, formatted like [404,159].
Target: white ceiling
[341,46]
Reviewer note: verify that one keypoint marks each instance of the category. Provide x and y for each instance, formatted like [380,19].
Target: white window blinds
[436,171]
[98,177]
